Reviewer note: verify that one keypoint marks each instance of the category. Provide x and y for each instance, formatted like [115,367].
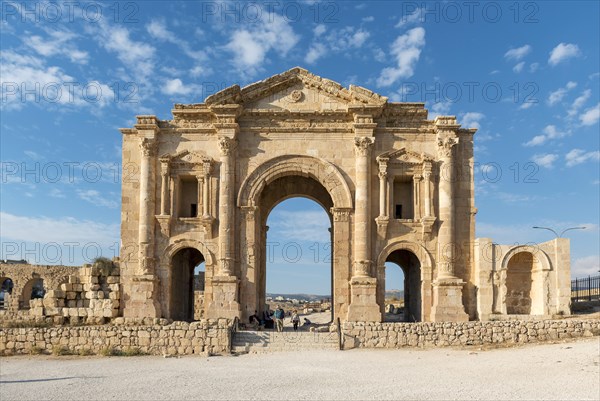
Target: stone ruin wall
[205,337]
[73,295]
[511,332]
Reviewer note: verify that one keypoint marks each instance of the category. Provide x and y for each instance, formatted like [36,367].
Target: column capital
[341,213]
[382,175]
[445,144]
[226,145]
[362,268]
[148,147]
[362,145]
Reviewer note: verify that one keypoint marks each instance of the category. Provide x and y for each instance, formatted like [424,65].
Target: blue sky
[525,74]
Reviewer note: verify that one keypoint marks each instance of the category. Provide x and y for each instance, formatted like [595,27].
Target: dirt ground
[563,371]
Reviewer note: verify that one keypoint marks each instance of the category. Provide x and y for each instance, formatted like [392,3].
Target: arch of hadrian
[396,186]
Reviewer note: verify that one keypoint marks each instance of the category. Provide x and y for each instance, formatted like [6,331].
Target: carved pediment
[297,89]
[187,160]
[403,156]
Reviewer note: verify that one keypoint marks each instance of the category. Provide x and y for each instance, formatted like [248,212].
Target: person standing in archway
[295,319]
[279,315]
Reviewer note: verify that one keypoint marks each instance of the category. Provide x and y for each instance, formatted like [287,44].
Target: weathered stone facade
[396,186]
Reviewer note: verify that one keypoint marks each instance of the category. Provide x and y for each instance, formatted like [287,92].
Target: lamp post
[562,232]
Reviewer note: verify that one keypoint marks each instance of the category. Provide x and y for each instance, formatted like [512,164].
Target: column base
[363,305]
[447,301]
[142,298]
[224,302]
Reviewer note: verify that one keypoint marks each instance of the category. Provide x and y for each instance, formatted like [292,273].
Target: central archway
[273,182]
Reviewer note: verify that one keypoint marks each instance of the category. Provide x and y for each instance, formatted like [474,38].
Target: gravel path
[552,371]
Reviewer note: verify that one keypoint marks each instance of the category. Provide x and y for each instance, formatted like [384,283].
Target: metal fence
[585,289]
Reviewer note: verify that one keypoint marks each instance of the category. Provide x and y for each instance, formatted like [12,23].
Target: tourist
[279,315]
[295,319]
[306,322]
[254,321]
[268,322]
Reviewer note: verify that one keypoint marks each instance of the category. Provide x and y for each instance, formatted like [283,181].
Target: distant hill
[305,297]
[398,294]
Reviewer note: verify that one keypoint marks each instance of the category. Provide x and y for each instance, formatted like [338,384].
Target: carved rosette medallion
[295,96]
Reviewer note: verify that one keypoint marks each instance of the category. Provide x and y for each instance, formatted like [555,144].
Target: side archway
[525,273]
[419,305]
[177,278]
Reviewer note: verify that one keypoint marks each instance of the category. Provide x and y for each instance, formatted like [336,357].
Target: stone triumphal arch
[397,187]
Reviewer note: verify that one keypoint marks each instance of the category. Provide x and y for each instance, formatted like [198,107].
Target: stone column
[199,202]
[226,206]
[363,305]
[206,191]
[164,188]
[146,212]
[225,284]
[446,144]
[447,288]
[427,192]
[416,197]
[362,263]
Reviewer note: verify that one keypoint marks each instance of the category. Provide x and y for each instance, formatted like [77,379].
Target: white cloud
[578,156]
[591,115]
[19,71]
[316,51]
[319,29]
[558,94]
[519,67]
[58,43]
[550,132]
[545,160]
[579,102]
[95,198]
[439,109]
[370,18]
[251,45]
[527,104]
[533,67]
[585,266]
[562,52]
[337,41]
[472,120]
[158,30]
[313,228]
[176,87]
[65,229]
[407,50]
[138,56]
[410,19]
[517,53]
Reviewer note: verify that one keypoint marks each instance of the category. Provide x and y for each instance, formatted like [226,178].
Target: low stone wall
[210,336]
[397,335]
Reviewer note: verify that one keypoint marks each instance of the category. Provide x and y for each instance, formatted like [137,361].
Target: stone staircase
[271,341]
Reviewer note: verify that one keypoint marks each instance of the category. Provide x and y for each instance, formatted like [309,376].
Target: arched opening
[6,287]
[411,285]
[296,263]
[199,282]
[33,289]
[299,263]
[394,293]
[184,264]
[519,282]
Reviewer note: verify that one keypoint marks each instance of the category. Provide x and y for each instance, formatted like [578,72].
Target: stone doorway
[520,285]
[411,269]
[184,263]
